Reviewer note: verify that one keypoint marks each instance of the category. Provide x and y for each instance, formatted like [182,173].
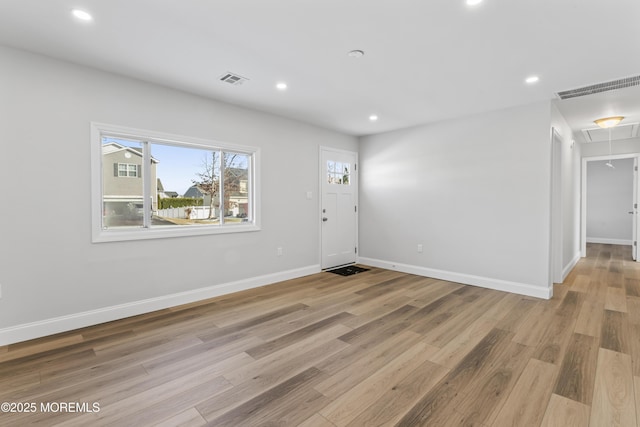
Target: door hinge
[355,167]
[635,243]
[356,249]
[635,168]
[355,209]
[635,206]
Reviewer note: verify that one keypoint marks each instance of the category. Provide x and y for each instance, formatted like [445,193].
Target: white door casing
[338,207]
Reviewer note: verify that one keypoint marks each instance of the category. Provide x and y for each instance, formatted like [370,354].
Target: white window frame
[100,234]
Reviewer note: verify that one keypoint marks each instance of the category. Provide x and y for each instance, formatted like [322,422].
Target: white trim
[567,269]
[556,228]
[70,322]
[467,279]
[606,241]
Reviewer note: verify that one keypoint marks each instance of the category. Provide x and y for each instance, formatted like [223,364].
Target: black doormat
[348,270]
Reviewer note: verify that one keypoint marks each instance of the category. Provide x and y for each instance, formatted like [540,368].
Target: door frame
[583,195]
[321,177]
[556,229]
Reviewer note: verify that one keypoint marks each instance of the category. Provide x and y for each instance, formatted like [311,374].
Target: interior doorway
[609,201]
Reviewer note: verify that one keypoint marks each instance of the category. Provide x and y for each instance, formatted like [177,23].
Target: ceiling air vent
[600,87]
[233,79]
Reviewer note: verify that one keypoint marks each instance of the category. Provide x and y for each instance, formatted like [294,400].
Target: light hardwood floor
[380,348]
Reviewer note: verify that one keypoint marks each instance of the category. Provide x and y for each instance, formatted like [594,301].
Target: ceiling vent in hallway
[233,79]
[600,87]
[618,132]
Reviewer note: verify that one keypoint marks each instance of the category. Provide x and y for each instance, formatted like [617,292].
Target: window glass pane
[330,166]
[192,173]
[122,204]
[346,167]
[236,188]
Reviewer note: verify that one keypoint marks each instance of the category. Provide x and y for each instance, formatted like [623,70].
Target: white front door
[339,216]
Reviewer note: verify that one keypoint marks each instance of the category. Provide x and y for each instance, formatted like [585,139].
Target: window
[338,173]
[126,170]
[215,183]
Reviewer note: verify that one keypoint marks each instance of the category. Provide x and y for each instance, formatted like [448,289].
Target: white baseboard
[605,241]
[467,279]
[70,322]
[567,269]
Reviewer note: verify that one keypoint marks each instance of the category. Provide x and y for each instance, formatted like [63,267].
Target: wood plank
[563,412]
[401,396]
[350,367]
[267,348]
[577,372]
[188,418]
[615,333]
[554,342]
[247,412]
[342,410]
[590,318]
[437,403]
[615,300]
[581,283]
[634,343]
[455,350]
[481,399]
[613,399]
[529,398]
[316,420]
[632,287]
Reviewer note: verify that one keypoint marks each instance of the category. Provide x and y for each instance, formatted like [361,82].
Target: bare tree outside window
[234,174]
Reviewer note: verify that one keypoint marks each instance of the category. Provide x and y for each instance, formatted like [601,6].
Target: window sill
[138,233]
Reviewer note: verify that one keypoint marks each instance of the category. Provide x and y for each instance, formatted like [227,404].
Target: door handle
[325,219]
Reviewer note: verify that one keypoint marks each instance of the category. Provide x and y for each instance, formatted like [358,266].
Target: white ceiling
[424,60]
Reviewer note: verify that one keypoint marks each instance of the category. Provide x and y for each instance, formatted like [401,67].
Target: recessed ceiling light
[473,2]
[373,117]
[532,79]
[356,53]
[281,86]
[82,15]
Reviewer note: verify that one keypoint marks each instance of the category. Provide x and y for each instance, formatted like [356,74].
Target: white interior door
[339,211]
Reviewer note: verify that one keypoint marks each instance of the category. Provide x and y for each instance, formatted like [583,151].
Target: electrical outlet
[279,251]
[420,248]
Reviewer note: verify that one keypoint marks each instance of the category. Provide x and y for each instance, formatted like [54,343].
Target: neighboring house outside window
[124,197]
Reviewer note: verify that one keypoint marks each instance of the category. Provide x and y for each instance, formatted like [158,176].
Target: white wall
[52,277]
[609,201]
[475,192]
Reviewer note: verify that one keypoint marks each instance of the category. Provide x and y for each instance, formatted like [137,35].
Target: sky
[177,166]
